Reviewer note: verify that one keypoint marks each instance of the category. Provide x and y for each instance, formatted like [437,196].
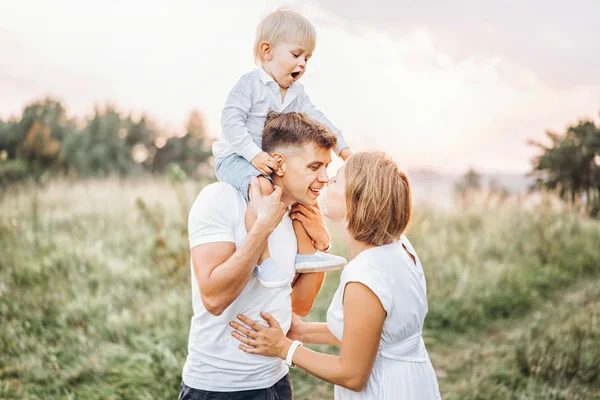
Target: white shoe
[319,262]
[270,275]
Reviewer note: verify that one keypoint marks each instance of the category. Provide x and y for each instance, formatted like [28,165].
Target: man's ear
[266,50]
[281,163]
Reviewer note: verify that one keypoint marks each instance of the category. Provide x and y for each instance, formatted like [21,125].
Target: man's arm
[221,271]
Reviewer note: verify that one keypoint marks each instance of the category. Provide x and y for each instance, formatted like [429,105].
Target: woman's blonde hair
[378,198]
[284,24]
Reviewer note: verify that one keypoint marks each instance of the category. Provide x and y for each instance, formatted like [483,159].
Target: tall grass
[95,292]
[488,264]
[554,355]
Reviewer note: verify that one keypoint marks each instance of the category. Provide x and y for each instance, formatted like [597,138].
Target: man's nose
[323,177]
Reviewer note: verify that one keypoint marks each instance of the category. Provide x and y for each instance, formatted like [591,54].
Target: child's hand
[344,154]
[264,163]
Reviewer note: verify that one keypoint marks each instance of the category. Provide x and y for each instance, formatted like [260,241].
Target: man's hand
[312,220]
[269,210]
[265,163]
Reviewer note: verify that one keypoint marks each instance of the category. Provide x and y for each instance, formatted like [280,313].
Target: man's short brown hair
[295,129]
[378,198]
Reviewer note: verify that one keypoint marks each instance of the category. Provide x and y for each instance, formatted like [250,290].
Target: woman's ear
[281,164]
[266,51]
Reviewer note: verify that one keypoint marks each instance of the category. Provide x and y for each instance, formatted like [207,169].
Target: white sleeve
[233,120]
[309,109]
[214,215]
[369,276]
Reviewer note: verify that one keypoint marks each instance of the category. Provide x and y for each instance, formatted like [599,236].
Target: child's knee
[266,187]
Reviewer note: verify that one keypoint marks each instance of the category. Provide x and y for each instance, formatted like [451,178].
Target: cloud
[557,40]
[393,88]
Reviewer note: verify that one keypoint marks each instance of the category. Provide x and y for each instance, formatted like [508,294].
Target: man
[224,255]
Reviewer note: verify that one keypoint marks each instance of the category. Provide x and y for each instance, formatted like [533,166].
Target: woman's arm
[360,342]
[311,332]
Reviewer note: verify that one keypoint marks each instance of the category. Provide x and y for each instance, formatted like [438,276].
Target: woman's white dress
[402,370]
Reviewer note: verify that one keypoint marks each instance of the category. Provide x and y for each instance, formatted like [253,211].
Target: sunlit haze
[462,86]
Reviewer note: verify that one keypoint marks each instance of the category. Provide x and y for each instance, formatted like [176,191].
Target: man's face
[305,175]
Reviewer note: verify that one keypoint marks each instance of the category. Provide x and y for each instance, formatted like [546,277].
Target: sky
[438,85]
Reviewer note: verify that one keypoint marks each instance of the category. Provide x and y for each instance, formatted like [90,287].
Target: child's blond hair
[284,25]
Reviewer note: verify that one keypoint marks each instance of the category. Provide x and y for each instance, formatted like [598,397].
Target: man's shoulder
[217,204]
[222,189]
[217,194]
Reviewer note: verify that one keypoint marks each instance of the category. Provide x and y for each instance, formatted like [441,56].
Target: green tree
[468,183]
[106,143]
[190,151]
[39,149]
[35,138]
[8,144]
[570,165]
[102,148]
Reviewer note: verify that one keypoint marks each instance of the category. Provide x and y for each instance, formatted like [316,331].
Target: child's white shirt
[247,106]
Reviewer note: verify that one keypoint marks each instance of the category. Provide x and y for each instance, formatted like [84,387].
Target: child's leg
[305,243]
[311,260]
[266,188]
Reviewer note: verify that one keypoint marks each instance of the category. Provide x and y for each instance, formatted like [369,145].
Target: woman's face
[335,204]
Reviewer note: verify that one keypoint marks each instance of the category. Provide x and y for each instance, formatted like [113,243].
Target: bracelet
[291,351]
[329,246]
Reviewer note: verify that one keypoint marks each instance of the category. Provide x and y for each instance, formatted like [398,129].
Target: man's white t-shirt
[214,361]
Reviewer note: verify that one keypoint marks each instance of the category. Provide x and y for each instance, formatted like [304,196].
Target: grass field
[95,295]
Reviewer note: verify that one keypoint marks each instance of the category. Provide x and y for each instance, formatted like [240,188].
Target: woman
[378,310]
